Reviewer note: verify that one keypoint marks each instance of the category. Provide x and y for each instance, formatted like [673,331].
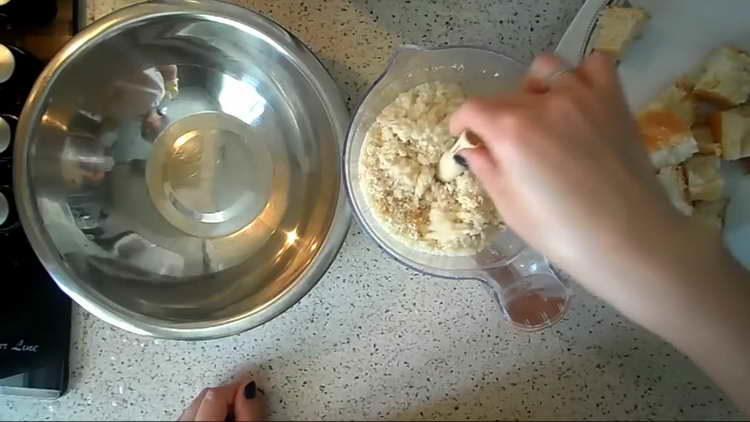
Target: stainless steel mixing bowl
[177,169]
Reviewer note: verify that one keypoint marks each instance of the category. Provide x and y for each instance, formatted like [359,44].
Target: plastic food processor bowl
[529,293]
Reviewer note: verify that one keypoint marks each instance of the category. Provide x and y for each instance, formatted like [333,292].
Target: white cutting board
[677,38]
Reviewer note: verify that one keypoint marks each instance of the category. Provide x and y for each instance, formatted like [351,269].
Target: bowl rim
[478,274]
[104,308]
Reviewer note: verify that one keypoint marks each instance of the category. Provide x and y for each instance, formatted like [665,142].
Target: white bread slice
[731,128]
[726,77]
[668,137]
[688,80]
[677,100]
[706,142]
[711,212]
[617,28]
[672,178]
[703,178]
[703,111]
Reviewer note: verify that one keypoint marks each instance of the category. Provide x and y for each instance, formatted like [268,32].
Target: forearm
[718,340]
[706,314]
[565,166]
[687,289]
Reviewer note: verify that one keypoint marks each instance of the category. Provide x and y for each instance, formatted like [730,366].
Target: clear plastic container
[529,293]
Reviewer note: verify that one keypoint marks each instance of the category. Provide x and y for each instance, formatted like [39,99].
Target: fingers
[600,71]
[189,413]
[169,72]
[546,71]
[506,119]
[597,71]
[481,115]
[239,402]
[484,116]
[210,404]
[216,403]
[546,65]
[248,405]
[534,86]
[472,115]
[485,119]
[486,170]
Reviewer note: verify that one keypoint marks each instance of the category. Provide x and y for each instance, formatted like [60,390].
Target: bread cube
[672,178]
[617,28]
[703,178]
[731,128]
[711,212]
[668,137]
[706,142]
[726,77]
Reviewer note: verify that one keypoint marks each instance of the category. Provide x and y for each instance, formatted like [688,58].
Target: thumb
[249,403]
[214,404]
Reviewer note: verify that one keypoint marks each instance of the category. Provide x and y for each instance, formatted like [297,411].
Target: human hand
[171,81]
[235,402]
[565,166]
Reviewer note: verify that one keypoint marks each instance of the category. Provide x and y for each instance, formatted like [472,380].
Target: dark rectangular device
[34,312]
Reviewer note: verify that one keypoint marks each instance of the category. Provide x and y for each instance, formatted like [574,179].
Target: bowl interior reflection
[184,168]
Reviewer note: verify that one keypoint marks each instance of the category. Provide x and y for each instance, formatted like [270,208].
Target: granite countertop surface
[375,340]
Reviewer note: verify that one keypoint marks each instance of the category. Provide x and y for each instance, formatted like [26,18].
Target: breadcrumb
[398,169]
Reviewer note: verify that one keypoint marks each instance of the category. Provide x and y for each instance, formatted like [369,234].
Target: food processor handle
[530,294]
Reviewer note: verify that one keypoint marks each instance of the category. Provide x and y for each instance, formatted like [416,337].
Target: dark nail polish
[461,161]
[250,390]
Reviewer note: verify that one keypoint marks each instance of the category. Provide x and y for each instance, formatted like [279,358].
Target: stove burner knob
[7,64]
[4,209]
[6,135]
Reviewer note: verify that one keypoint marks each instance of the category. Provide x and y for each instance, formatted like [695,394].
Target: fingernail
[250,390]
[461,161]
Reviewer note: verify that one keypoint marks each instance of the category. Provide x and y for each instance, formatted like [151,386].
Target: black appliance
[34,312]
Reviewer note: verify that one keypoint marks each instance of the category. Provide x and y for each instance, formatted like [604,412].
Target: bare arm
[689,290]
[564,164]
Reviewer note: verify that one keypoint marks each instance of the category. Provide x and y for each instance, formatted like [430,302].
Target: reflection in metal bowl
[178,169]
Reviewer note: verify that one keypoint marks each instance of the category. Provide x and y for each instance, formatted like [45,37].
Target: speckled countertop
[374,339]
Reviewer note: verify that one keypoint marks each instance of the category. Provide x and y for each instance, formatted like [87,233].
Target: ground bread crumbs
[398,175]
